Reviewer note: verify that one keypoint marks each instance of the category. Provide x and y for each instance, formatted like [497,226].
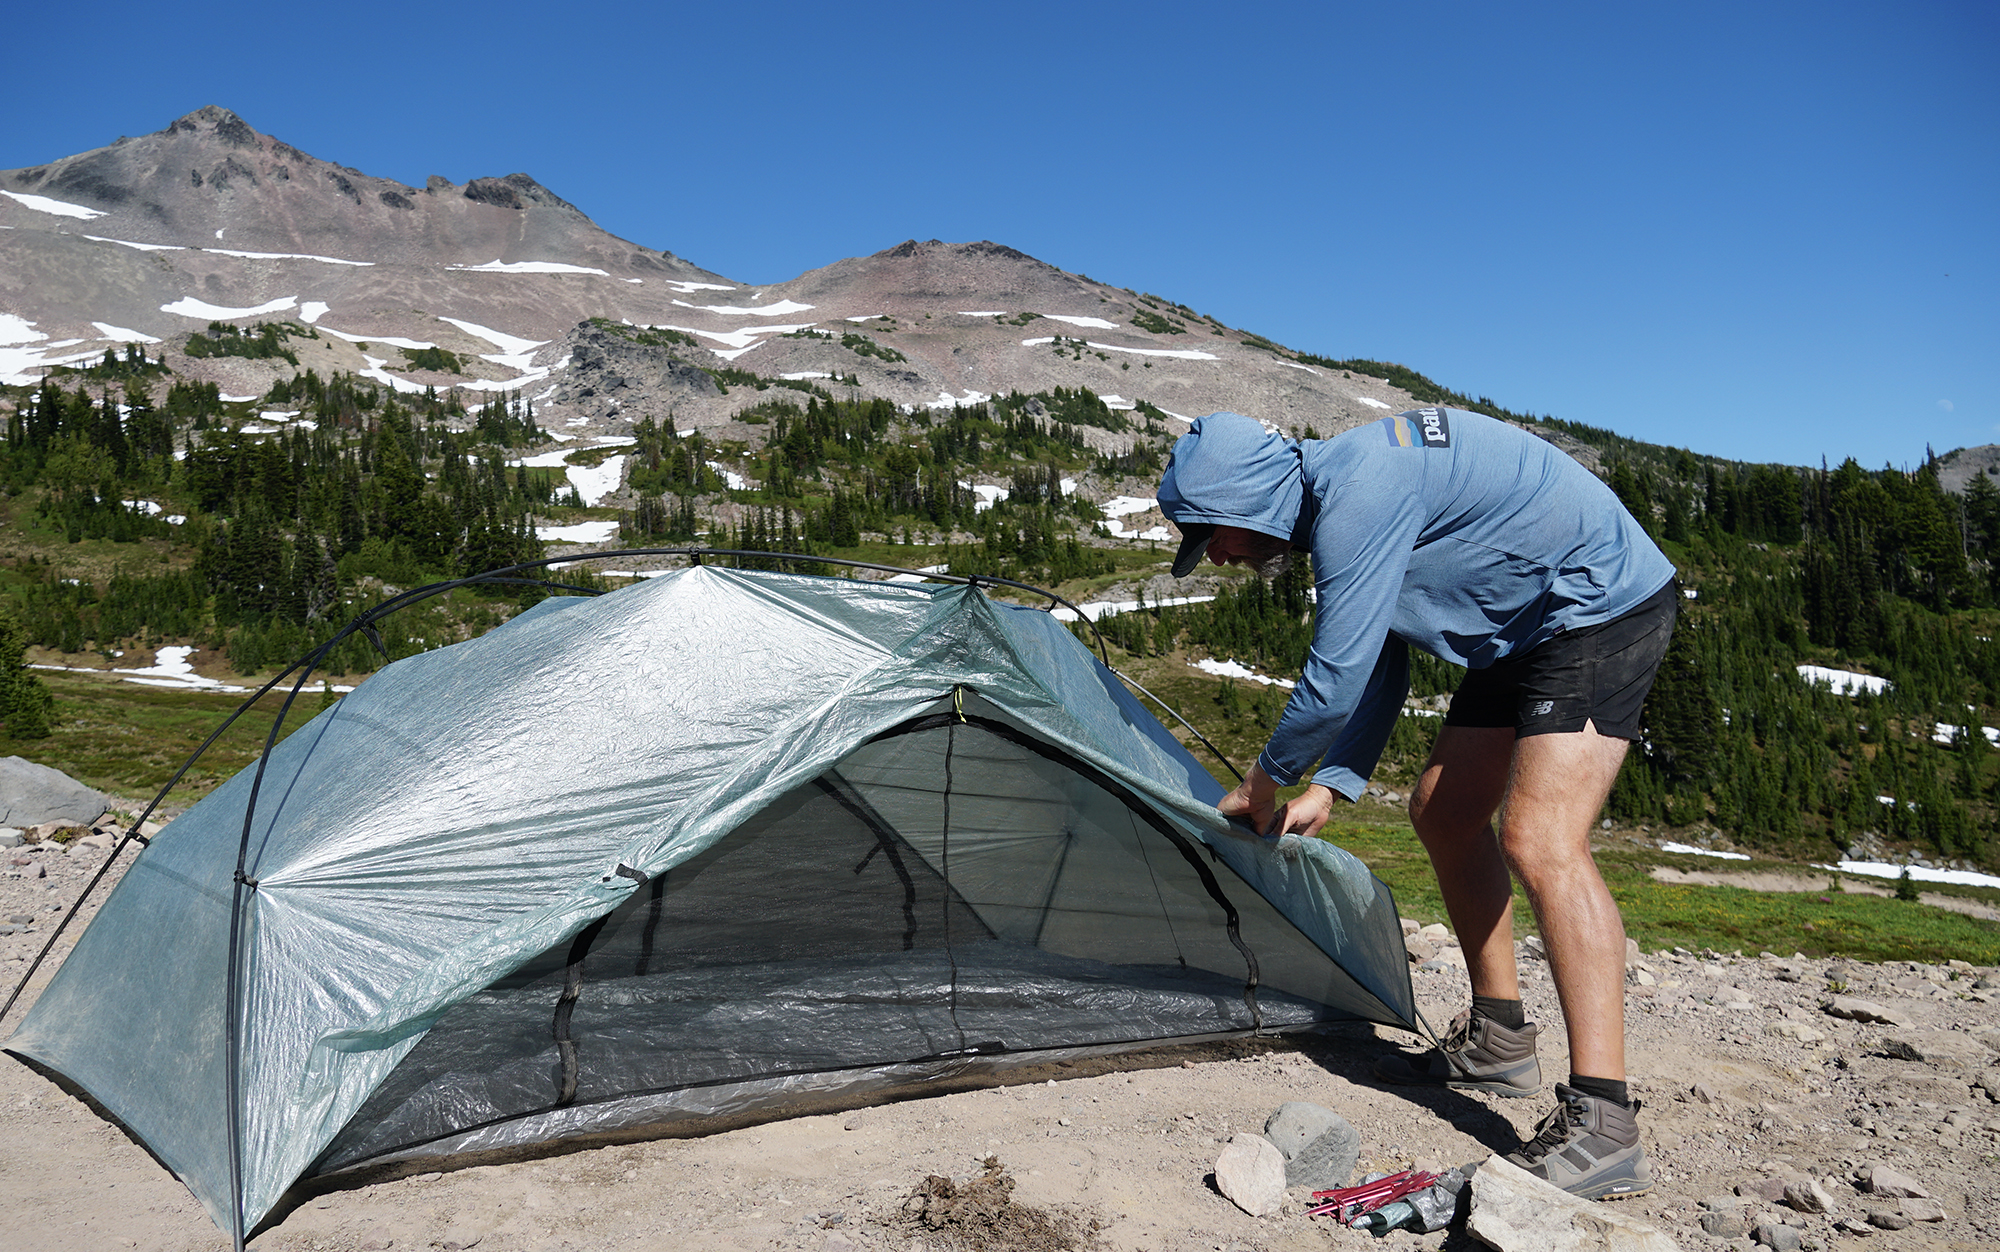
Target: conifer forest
[145,511]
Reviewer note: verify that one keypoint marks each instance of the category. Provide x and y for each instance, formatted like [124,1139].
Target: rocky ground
[1750,1083]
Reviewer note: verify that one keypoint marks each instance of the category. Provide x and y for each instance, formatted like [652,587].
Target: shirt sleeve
[1356,675]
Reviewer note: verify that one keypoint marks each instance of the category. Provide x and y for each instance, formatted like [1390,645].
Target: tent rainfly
[721,841]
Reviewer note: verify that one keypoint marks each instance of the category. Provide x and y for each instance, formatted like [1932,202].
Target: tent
[718,842]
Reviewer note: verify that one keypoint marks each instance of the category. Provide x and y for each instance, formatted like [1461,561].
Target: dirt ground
[1743,1074]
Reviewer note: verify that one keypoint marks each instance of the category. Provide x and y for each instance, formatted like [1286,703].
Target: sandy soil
[1127,1144]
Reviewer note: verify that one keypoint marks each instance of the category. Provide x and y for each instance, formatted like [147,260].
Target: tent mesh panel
[870,917]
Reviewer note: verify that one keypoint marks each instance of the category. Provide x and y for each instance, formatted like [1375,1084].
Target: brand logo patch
[1541,708]
[1436,427]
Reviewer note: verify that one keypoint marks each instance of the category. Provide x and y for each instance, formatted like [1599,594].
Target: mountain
[149,239]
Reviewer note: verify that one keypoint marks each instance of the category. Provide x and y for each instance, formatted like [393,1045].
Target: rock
[1937,1047]
[32,794]
[1702,1093]
[1922,1210]
[1532,947]
[1769,1190]
[1798,1032]
[459,1238]
[1419,948]
[378,1240]
[1411,925]
[1881,1180]
[1848,1226]
[1514,1211]
[21,919]
[1867,1011]
[1726,1224]
[1889,1221]
[1807,1196]
[34,869]
[1436,932]
[1777,1236]
[1318,1144]
[1631,953]
[1251,1172]
[11,838]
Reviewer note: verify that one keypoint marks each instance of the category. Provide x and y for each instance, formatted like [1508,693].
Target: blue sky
[1764,231]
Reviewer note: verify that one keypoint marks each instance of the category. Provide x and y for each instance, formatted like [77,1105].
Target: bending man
[1488,547]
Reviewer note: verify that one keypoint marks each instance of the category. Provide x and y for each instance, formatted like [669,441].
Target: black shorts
[1597,674]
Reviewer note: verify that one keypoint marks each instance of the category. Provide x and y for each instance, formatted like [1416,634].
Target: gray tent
[717,842]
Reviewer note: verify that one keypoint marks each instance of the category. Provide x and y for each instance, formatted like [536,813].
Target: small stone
[1702,1093]
[1867,1011]
[1769,1190]
[1807,1196]
[1631,953]
[21,919]
[1411,925]
[1777,1236]
[378,1240]
[1436,932]
[1251,1172]
[1419,949]
[1319,1145]
[1798,1032]
[1883,1181]
[1849,1226]
[1727,1224]
[1922,1209]
[1889,1221]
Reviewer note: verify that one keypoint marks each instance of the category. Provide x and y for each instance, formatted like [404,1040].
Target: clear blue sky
[1766,231]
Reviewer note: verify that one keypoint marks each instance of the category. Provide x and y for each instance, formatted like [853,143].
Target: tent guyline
[1152,784]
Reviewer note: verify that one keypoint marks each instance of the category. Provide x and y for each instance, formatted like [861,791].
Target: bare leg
[1452,810]
[1558,785]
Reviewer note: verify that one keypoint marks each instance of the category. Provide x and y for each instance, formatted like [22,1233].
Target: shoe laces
[1554,1130]
[1459,1037]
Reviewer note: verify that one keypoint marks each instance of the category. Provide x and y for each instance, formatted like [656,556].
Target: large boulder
[32,794]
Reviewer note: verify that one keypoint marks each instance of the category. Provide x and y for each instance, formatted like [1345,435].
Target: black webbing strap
[579,948]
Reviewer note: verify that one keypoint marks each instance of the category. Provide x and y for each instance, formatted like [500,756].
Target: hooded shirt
[1437,528]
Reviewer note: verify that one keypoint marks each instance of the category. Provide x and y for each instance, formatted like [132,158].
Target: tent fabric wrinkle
[719,841]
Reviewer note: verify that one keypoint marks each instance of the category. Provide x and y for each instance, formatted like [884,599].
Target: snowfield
[581,532]
[779,309]
[58,208]
[1685,849]
[1845,682]
[188,306]
[1374,404]
[284,256]
[528,267]
[1098,610]
[143,247]
[1231,669]
[118,334]
[1089,323]
[391,340]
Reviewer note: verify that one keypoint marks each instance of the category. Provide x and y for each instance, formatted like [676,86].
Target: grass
[126,739]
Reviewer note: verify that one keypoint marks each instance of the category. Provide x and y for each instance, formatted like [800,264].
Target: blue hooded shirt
[1437,528]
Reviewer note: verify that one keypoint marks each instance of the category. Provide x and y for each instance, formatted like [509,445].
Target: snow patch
[120,335]
[1098,610]
[734,480]
[1844,682]
[779,309]
[58,208]
[1175,354]
[528,267]
[919,575]
[594,482]
[1294,365]
[687,288]
[1126,506]
[143,247]
[1880,869]
[313,310]
[581,532]
[988,494]
[188,306]
[986,313]
[391,340]
[171,668]
[1947,734]
[17,329]
[802,375]
[1374,404]
[1091,323]
[285,256]
[1687,849]
[508,344]
[946,400]
[1230,669]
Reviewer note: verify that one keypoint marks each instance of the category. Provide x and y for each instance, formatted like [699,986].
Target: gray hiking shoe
[1589,1147]
[1479,1055]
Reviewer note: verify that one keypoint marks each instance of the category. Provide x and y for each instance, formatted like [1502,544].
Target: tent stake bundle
[720,842]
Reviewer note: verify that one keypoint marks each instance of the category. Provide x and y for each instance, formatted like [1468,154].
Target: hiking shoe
[1589,1147]
[1478,1055]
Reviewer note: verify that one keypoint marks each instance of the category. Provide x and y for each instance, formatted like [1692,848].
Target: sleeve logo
[1436,427]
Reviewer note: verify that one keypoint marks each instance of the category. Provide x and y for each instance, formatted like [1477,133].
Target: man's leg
[1452,810]
[1558,787]
[1490,1048]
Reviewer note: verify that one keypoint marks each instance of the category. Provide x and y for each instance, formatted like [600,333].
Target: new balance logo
[1541,708]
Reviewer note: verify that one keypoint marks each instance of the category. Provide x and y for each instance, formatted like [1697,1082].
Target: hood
[1229,471]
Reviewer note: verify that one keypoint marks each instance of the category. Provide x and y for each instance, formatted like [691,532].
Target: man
[1488,547]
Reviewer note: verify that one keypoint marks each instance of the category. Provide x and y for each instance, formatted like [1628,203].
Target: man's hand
[1254,800]
[1304,814]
